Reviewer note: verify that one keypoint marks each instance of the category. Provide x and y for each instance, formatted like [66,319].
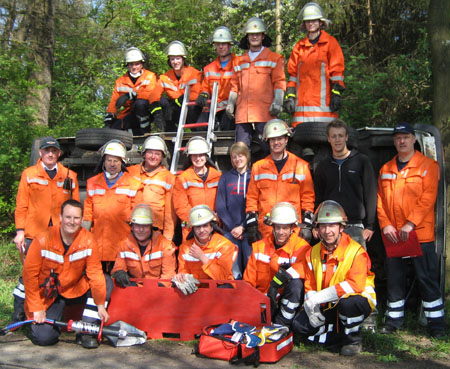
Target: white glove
[186,283]
[326,295]
[191,283]
[277,105]
[316,319]
[232,98]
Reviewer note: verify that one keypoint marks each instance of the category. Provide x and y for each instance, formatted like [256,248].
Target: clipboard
[403,249]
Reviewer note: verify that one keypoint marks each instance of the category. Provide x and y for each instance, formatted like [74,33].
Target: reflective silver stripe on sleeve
[169,86]
[124,89]
[98,191]
[259,177]
[190,82]
[164,184]
[40,181]
[266,63]
[346,287]
[80,255]
[293,79]
[262,257]
[228,74]
[126,191]
[188,184]
[389,176]
[188,257]
[212,184]
[129,255]
[52,256]
[153,256]
[336,78]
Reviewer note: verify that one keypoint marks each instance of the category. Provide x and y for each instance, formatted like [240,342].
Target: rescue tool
[120,334]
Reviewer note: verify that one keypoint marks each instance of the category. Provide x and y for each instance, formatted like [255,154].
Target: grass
[412,343]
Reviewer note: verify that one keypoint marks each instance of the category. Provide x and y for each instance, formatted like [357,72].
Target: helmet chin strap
[109,175]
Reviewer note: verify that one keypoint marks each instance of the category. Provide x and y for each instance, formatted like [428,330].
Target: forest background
[59,60]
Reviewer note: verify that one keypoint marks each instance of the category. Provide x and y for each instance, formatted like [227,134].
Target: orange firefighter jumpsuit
[409,195]
[266,260]
[214,72]
[220,252]
[190,191]
[39,198]
[109,210]
[157,262]
[78,269]
[147,87]
[157,188]
[313,70]
[267,187]
[174,87]
[255,82]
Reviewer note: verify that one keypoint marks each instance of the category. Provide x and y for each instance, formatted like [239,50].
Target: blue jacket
[230,199]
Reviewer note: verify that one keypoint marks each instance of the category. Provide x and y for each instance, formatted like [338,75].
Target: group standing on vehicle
[297,236]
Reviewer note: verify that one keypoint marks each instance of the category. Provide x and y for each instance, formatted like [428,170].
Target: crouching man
[339,286]
[275,263]
[145,253]
[206,254]
[63,265]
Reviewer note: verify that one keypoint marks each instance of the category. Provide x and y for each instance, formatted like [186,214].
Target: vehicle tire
[34,154]
[316,133]
[94,138]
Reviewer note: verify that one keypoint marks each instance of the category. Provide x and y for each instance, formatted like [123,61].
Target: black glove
[306,229]
[289,100]
[335,102]
[109,119]
[158,116]
[282,277]
[52,286]
[202,99]
[179,101]
[272,295]
[251,226]
[122,278]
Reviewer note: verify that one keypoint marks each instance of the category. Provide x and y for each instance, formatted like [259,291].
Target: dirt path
[16,351]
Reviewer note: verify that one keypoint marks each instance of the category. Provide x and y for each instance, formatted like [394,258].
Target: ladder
[210,136]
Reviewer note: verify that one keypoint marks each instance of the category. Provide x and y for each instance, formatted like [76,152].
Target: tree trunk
[39,31]
[278,47]
[439,34]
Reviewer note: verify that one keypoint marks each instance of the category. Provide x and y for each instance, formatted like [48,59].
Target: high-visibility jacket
[78,269]
[191,191]
[157,262]
[214,72]
[110,209]
[174,87]
[220,252]
[268,187]
[347,268]
[255,82]
[146,87]
[313,70]
[39,198]
[156,191]
[409,195]
[265,260]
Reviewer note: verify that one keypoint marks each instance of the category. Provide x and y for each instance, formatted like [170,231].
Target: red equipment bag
[223,347]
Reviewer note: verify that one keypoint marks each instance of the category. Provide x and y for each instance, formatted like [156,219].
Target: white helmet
[176,48]
[200,215]
[156,143]
[313,11]
[255,25]
[276,128]
[142,214]
[222,34]
[283,213]
[133,54]
[114,148]
[197,145]
[330,212]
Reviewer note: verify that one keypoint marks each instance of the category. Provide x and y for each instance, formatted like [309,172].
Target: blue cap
[49,142]
[403,128]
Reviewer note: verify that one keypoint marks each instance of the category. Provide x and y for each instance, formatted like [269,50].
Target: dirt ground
[16,351]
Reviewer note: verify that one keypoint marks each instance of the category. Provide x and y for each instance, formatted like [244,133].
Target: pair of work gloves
[312,305]
[335,102]
[110,117]
[186,283]
[276,108]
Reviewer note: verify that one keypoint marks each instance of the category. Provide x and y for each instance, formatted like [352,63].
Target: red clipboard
[403,249]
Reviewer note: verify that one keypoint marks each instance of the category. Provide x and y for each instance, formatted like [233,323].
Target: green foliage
[10,270]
